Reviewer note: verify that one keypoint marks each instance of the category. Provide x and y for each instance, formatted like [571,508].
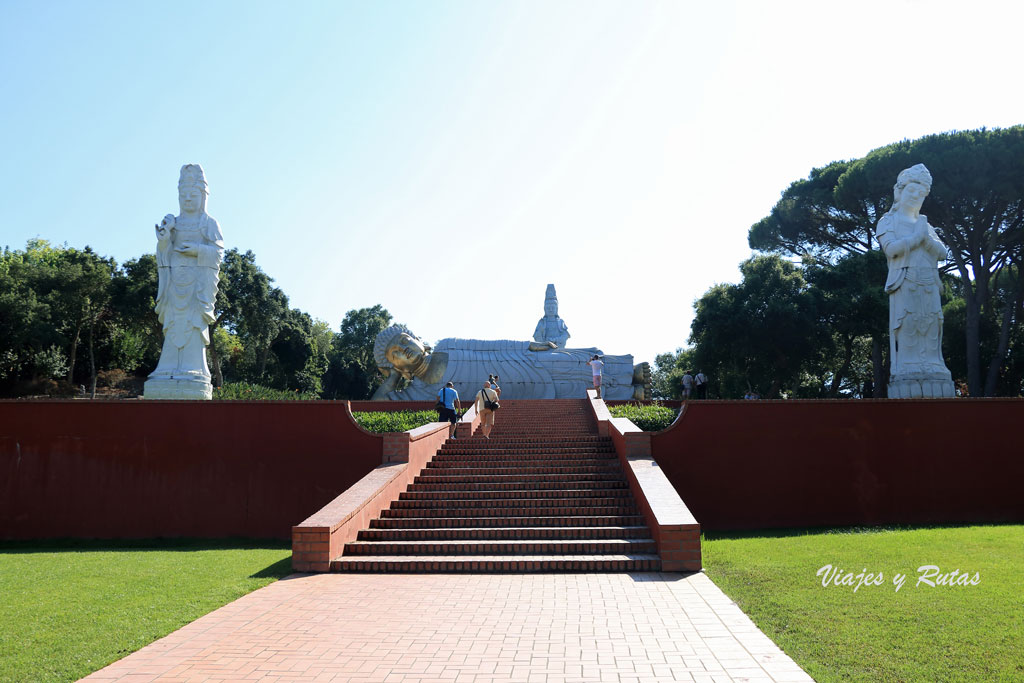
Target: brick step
[585,494]
[541,418]
[446,477]
[521,470]
[504,533]
[517,522]
[514,431]
[516,462]
[586,449]
[617,546]
[478,440]
[548,422]
[530,511]
[490,486]
[521,458]
[506,432]
[498,435]
[500,563]
[545,422]
[519,502]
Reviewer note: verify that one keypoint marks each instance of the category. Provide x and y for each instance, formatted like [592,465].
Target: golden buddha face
[406,353]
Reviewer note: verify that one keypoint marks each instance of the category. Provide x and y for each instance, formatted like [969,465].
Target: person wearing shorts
[486,415]
[687,385]
[596,364]
[450,398]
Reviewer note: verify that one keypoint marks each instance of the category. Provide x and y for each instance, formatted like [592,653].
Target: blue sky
[449,159]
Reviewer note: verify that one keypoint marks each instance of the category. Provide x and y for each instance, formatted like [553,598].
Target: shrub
[113,378]
[650,418]
[395,421]
[243,391]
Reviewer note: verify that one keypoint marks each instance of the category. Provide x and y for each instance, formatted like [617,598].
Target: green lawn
[70,608]
[876,633]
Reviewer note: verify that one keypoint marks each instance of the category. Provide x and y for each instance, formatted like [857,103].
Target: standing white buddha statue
[189,252]
[913,250]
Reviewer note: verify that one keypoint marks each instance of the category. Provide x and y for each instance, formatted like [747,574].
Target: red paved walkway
[505,627]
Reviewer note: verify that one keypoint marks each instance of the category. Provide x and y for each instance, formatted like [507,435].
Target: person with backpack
[701,382]
[448,406]
[486,404]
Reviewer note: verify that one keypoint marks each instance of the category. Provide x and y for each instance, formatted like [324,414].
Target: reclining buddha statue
[543,368]
[527,369]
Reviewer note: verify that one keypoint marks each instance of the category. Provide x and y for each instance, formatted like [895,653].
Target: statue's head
[398,349]
[912,186]
[192,189]
[550,302]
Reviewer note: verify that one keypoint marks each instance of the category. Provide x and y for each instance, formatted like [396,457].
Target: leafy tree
[136,336]
[757,334]
[51,296]
[242,285]
[976,204]
[252,310]
[299,354]
[29,344]
[849,303]
[352,372]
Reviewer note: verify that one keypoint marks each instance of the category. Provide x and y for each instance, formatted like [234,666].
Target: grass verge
[68,608]
[876,633]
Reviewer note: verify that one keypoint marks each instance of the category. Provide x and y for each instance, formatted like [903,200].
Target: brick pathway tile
[481,628]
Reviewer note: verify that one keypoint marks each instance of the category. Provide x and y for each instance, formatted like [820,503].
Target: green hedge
[243,391]
[396,421]
[650,418]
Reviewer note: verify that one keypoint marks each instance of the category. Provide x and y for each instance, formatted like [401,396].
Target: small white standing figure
[189,251]
[913,251]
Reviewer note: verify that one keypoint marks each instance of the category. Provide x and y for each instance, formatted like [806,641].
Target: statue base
[922,385]
[170,388]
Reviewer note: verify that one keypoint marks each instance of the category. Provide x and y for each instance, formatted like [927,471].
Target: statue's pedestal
[181,389]
[922,385]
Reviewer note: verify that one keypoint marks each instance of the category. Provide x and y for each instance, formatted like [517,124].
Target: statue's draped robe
[187,289]
[915,309]
[558,373]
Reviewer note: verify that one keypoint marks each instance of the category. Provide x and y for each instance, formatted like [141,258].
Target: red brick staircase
[545,493]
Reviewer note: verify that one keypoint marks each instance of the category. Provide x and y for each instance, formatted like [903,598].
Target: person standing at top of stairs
[483,397]
[596,364]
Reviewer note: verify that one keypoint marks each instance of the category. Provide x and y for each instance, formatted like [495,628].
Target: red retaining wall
[763,464]
[133,469]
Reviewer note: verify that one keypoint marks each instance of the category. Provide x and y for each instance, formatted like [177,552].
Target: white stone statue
[551,327]
[189,252]
[915,312]
[527,369]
